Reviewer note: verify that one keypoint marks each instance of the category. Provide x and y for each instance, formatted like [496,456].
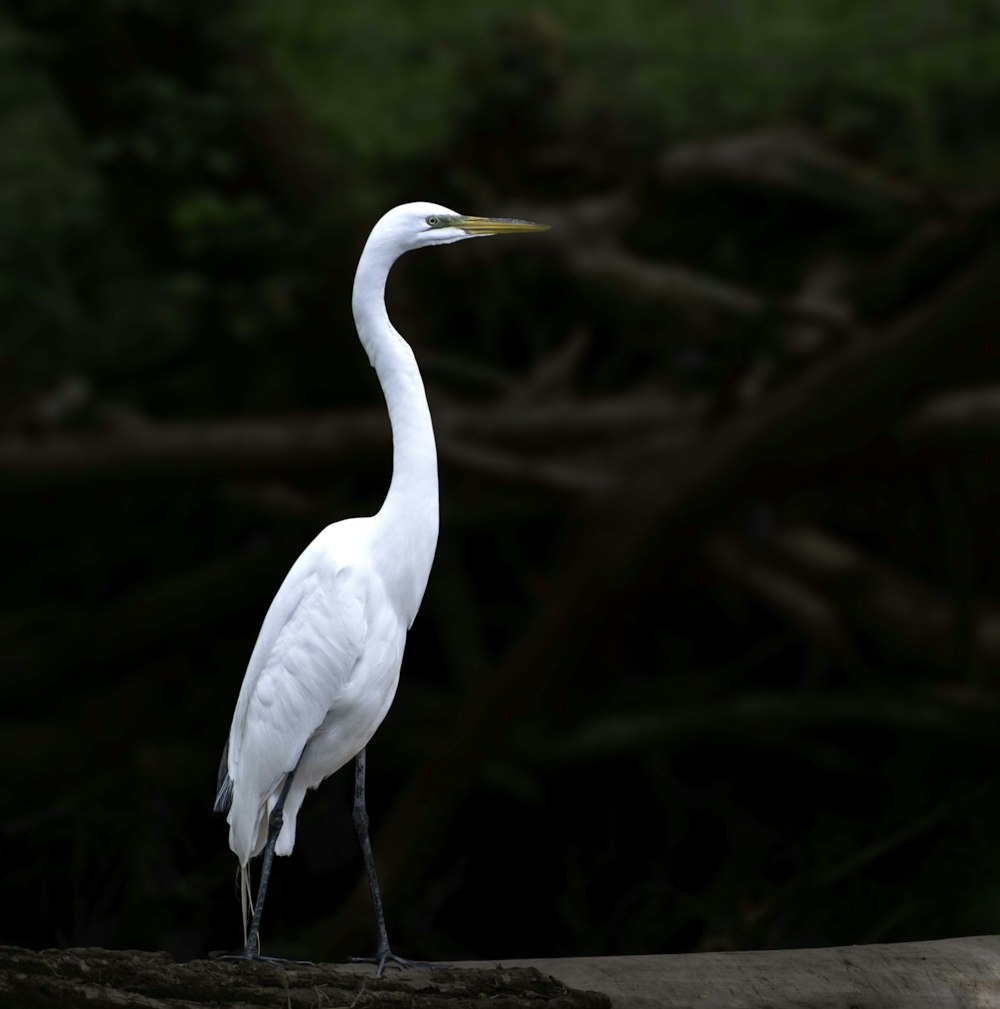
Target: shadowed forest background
[709,658]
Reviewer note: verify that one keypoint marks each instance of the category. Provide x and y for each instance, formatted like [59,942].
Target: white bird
[325,667]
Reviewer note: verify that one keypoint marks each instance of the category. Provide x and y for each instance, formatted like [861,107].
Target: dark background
[709,657]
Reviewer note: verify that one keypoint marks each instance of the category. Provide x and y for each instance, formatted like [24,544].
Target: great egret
[325,667]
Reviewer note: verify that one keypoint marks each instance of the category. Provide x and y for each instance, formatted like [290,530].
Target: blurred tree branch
[790,163]
[829,588]
[469,436]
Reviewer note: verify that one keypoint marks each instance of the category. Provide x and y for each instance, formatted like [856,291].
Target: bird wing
[308,647]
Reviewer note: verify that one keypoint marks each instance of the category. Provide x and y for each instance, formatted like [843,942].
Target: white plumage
[323,677]
[325,667]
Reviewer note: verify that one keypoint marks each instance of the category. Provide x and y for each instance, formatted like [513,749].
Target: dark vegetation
[710,654]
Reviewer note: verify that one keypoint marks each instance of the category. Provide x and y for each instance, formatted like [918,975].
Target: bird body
[326,664]
[325,667]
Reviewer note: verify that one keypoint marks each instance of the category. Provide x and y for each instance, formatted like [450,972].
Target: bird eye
[433,221]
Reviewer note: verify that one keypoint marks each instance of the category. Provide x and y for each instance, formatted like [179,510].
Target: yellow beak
[496,225]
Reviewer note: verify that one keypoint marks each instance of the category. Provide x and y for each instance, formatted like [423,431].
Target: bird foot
[387,956]
[280,961]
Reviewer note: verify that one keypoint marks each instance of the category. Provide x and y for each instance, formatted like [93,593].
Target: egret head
[414,225]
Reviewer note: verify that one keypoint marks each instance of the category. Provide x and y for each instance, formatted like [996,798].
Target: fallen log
[941,974]
[112,979]
[945,974]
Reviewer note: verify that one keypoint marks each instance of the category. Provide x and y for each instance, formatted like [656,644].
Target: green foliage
[46,187]
[904,82]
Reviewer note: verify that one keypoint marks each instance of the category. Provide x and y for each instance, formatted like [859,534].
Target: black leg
[383,953]
[252,952]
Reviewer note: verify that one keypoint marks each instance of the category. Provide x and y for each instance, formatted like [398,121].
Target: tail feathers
[224,786]
[223,803]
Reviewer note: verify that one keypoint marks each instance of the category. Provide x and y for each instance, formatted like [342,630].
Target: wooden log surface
[943,974]
[111,979]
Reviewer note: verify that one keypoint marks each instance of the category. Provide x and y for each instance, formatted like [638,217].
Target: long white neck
[407,523]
